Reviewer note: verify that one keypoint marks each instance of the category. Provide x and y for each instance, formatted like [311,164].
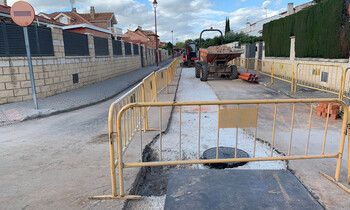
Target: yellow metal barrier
[235,62]
[227,118]
[346,85]
[161,78]
[284,72]
[250,63]
[259,66]
[171,72]
[150,88]
[320,77]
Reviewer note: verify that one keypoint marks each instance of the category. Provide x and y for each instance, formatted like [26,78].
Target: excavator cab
[190,55]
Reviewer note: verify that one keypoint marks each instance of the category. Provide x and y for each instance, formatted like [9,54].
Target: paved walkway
[81,97]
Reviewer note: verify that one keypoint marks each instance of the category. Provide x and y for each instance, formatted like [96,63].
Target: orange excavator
[190,55]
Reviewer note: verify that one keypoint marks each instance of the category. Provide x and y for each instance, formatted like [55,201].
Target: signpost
[22,13]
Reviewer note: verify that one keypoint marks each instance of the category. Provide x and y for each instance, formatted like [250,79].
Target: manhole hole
[224,153]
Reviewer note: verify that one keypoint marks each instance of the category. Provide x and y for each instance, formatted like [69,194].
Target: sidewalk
[78,98]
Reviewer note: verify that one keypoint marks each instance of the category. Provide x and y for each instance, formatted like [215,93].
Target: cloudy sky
[186,17]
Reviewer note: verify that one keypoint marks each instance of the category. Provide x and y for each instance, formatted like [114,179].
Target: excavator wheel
[204,72]
[234,72]
[198,68]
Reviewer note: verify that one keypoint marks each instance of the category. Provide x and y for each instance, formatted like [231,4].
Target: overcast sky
[186,17]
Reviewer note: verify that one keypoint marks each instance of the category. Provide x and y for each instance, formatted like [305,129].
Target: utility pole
[172,41]
[155,3]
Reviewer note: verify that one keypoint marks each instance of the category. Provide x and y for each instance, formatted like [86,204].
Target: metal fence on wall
[136,49]
[117,47]
[12,40]
[127,48]
[75,44]
[101,46]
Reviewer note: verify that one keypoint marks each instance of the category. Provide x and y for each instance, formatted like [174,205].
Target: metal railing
[345,92]
[320,77]
[284,72]
[244,114]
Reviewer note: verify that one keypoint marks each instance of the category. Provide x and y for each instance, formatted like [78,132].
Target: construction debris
[248,77]
[219,49]
[322,110]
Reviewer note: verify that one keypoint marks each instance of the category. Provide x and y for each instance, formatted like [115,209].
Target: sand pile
[219,49]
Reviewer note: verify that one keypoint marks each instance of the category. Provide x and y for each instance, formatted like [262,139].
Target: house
[98,24]
[145,37]
[255,29]
[177,50]
[5,16]
[163,44]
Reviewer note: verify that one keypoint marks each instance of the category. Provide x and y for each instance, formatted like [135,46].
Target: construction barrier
[284,72]
[320,77]
[346,84]
[161,78]
[259,67]
[246,63]
[244,114]
[327,78]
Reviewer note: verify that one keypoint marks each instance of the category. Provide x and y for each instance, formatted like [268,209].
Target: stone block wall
[54,74]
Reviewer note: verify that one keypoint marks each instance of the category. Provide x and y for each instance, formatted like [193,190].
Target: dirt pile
[219,49]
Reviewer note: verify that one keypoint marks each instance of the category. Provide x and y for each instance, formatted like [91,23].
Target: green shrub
[317,32]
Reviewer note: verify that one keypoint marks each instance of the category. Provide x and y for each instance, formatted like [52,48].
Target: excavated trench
[152,181]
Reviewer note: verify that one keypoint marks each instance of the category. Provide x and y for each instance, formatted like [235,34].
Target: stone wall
[54,74]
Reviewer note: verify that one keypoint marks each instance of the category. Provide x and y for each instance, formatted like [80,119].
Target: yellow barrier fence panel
[259,64]
[326,78]
[150,88]
[346,84]
[228,118]
[161,79]
[250,64]
[266,68]
[284,72]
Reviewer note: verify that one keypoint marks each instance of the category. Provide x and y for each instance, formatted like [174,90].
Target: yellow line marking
[286,196]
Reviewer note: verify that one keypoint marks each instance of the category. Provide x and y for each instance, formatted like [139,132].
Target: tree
[180,44]
[227,25]
[168,47]
[234,37]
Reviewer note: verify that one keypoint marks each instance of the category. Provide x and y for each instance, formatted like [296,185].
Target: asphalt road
[59,161]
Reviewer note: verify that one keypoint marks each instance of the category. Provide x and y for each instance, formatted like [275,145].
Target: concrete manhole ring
[224,153]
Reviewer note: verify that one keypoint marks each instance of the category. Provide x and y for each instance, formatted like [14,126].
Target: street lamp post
[155,4]
[172,40]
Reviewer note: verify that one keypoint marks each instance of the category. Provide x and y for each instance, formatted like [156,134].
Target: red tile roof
[98,16]
[148,32]
[81,18]
[6,10]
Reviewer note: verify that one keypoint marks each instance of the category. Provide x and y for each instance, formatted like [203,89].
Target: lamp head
[155,4]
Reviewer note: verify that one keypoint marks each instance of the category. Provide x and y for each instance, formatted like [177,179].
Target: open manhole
[224,153]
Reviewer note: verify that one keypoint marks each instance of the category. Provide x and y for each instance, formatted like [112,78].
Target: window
[193,47]
[64,20]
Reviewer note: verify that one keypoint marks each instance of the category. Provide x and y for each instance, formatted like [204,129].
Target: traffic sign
[22,13]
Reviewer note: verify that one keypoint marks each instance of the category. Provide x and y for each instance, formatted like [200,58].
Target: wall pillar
[257,45]
[123,48]
[263,51]
[292,48]
[58,43]
[110,47]
[144,55]
[91,45]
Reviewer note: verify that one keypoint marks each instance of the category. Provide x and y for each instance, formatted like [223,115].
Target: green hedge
[319,31]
